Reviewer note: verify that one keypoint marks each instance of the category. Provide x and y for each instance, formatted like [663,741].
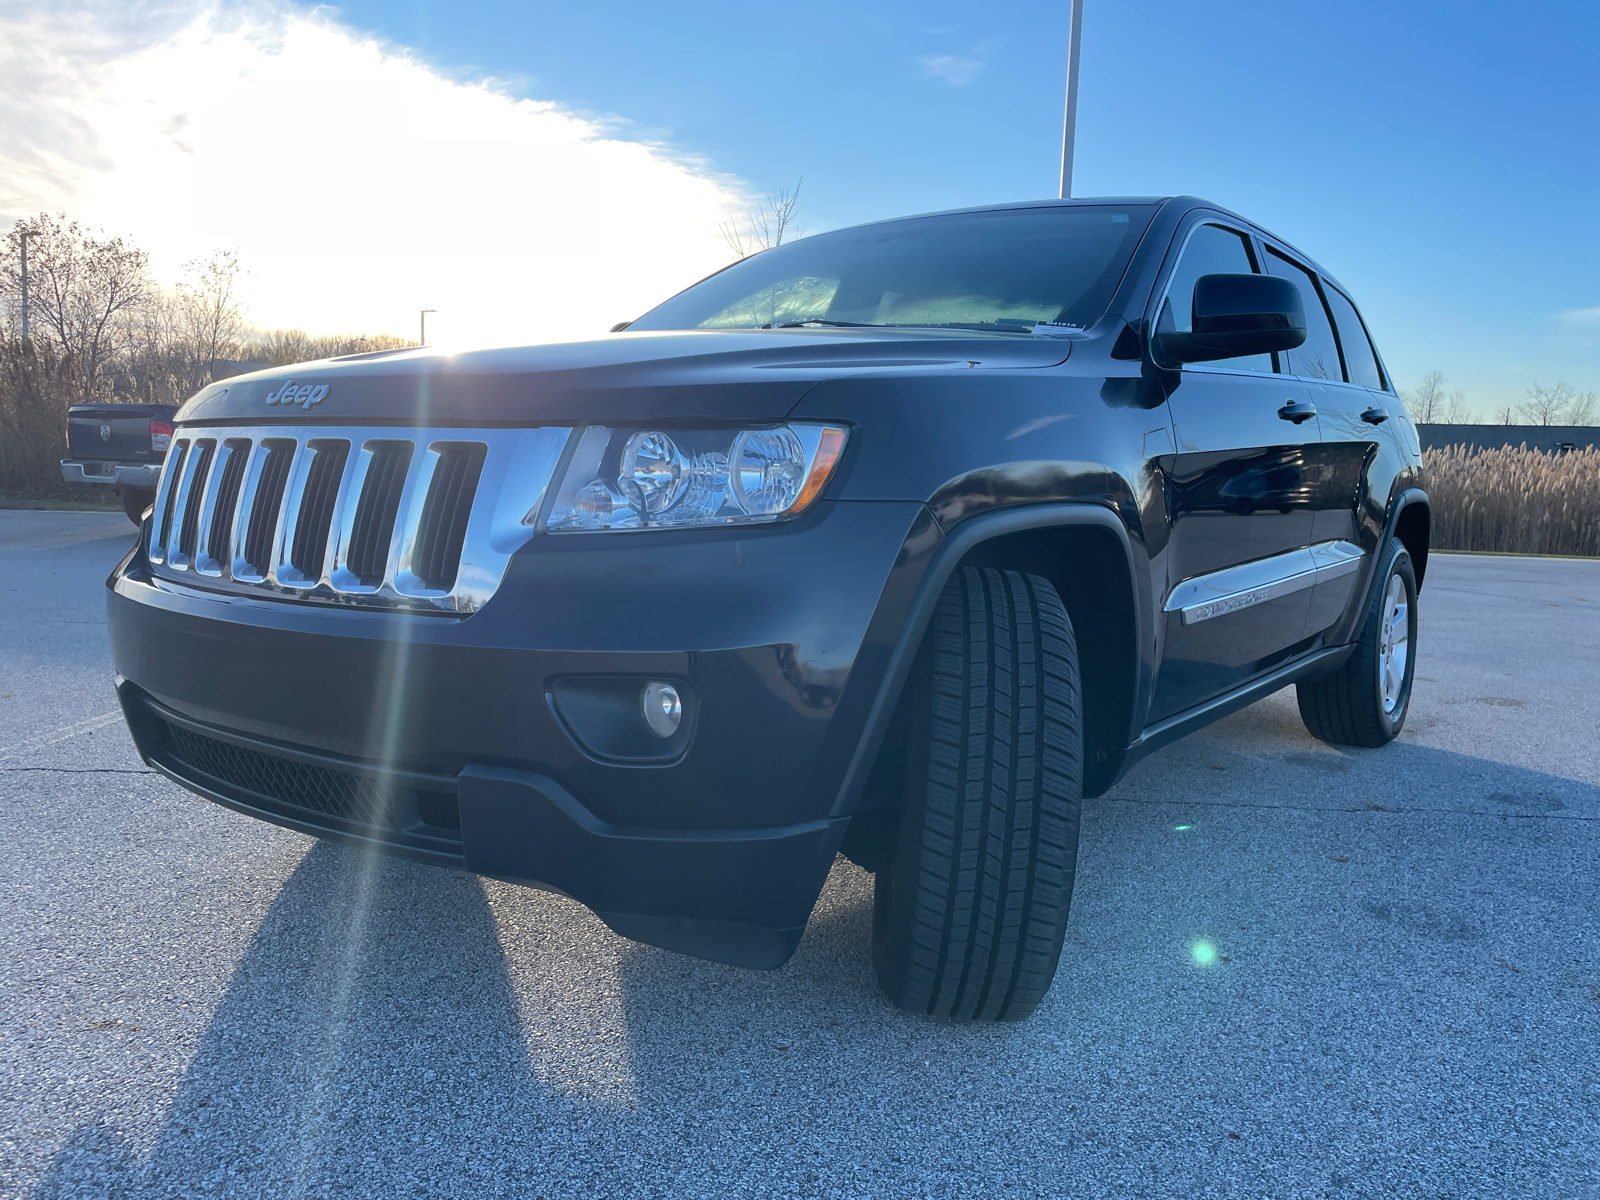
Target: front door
[1240,567]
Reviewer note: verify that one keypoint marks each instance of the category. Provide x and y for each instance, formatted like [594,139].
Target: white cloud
[357,184]
[1580,326]
[957,72]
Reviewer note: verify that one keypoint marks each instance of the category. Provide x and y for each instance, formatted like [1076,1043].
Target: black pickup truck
[121,446]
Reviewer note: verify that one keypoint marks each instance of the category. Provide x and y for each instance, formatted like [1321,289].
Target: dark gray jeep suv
[897,541]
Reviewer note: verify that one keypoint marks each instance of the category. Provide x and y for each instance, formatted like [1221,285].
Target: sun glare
[357,184]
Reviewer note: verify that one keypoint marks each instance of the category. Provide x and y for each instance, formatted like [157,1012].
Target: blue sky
[1439,158]
[541,170]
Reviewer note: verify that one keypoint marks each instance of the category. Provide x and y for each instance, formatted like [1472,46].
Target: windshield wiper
[968,326]
[820,321]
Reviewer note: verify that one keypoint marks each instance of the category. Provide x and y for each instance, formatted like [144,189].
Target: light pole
[1070,125]
[23,237]
[423,339]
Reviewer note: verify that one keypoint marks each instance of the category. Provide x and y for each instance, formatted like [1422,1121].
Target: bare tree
[765,226]
[183,339]
[1561,404]
[1431,404]
[83,292]
[212,323]
[280,347]
[103,330]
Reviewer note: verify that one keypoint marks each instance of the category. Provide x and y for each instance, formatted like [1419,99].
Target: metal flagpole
[1070,125]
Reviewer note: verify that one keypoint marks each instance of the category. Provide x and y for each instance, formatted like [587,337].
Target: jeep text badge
[305,395]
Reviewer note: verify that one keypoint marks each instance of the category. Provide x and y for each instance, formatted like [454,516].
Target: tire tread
[997,843]
[1342,708]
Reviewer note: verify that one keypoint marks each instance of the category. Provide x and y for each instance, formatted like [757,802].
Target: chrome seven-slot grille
[423,518]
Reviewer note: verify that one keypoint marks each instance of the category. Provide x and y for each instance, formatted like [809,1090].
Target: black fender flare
[1347,628]
[955,546]
[1400,503]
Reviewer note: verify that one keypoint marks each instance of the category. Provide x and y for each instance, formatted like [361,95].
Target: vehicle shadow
[368,1030]
[395,1029]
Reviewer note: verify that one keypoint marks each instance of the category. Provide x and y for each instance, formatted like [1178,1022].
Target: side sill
[1165,732]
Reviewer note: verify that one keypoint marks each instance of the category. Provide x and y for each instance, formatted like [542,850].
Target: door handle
[1297,411]
[1375,415]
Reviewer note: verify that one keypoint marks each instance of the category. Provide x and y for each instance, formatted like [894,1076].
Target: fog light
[663,710]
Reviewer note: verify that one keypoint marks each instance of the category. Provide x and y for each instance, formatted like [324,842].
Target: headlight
[655,479]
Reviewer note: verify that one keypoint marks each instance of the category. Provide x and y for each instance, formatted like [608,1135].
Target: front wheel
[970,915]
[1364,702]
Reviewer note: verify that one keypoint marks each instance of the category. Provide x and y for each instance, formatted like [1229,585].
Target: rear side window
[1210,250]
[1318,357]
[1360,362]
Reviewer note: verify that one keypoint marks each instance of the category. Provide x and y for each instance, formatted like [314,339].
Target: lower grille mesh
[333,793]
[344,795]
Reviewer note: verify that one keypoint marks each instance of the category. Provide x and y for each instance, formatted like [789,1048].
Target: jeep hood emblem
[305,395]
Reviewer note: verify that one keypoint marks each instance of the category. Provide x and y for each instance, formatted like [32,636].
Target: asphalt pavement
[1291,970]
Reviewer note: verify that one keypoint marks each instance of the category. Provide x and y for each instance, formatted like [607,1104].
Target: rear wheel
[970,915]
[1364,702]
[135,501]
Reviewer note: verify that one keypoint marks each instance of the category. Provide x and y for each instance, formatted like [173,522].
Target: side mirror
[1235,315]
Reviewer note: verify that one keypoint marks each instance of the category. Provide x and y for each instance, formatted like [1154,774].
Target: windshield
[1003,271]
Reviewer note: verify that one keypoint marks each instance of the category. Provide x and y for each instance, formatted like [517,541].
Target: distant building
[1496,437]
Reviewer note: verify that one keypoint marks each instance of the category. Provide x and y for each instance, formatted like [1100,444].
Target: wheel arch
[1412,522]
[1085,551]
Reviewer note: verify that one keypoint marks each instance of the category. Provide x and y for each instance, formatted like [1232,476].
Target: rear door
[1337,363]
[1238,588]
[1369,422]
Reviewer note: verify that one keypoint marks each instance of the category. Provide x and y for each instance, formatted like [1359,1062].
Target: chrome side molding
[1221,592]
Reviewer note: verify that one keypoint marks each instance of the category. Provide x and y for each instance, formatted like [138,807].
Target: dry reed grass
[1517,501]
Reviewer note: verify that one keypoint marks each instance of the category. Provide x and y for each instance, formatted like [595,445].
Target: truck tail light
[160,435]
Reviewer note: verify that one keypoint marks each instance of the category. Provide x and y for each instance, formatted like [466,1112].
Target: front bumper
[132,475]
[438,737]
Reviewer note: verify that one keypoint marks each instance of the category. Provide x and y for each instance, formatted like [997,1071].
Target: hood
[743,374]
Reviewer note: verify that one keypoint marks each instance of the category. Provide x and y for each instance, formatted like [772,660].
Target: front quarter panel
[976,448]
[969,444]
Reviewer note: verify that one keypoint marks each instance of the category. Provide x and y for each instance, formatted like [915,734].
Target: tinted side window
[1210,250]
[1318,357]
[1359,360]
